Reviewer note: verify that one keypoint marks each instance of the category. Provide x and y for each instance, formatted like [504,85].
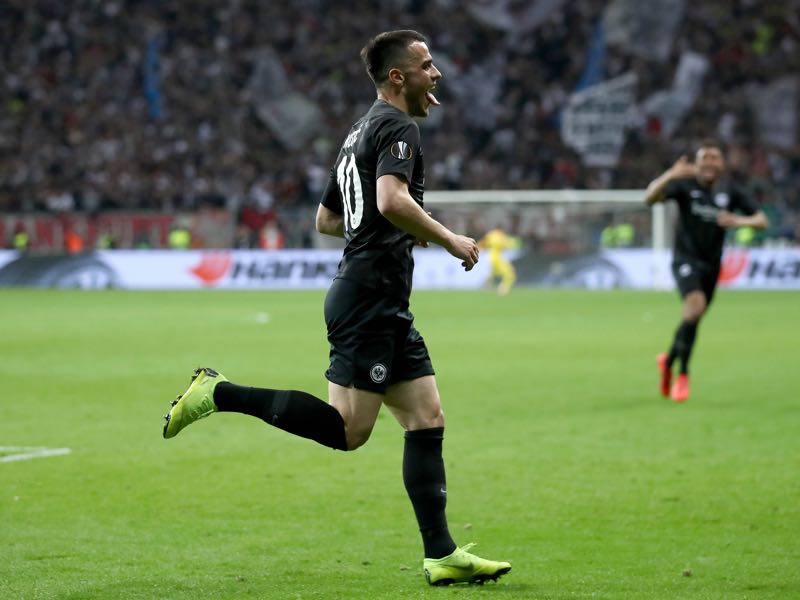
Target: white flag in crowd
[646,29]
[671,105]
[479,86]
[290,116]
[776,105]
[594,120]
[513,17]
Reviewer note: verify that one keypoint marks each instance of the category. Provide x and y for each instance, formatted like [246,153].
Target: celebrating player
[707,209]
[373,200]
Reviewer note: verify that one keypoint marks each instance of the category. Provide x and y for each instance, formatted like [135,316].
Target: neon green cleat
[463,567]
[195,403]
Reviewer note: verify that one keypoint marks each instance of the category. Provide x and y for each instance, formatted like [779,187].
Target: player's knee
[701,310]
[692,316]
[697,311]
[694,308]
[357,437]
[430,418]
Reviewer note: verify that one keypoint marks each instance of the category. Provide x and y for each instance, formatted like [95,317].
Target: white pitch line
[28,452]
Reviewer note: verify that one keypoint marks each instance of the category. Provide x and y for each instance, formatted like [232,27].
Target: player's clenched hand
[727,219]
[466,249]
[682,169]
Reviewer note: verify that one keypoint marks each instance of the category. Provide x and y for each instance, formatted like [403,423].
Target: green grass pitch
[561,456]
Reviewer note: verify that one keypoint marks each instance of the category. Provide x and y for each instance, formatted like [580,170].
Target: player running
[707,208]
[374,200]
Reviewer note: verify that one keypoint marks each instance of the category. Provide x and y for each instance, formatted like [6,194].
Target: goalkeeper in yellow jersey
[496,242]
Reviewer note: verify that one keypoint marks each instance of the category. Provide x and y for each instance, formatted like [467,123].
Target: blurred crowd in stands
[153,105]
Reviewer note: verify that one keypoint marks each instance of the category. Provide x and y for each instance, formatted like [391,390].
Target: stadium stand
[168,106]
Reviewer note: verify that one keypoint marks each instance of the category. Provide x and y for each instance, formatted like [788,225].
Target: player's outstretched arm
[728,220]
[396,204]
[682,169]
[329,223]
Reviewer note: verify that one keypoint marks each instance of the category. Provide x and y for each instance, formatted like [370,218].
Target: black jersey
[378,254]
[698,237]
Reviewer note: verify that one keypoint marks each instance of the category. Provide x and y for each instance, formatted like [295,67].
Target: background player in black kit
[377,357]
[707,209]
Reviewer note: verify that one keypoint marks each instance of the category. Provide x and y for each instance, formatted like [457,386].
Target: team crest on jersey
[378,373]
[685,270]
[400,150]
[722,200]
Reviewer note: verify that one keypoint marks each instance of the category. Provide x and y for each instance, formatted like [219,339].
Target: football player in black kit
[377,357]
[707,209]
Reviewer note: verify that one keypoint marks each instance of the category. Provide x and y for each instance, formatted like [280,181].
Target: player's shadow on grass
[502,589]
[518,591]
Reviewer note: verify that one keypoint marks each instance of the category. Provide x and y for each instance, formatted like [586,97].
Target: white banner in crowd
[645,28]
[672,104]
[776,106]
[594,120]
[761,268]
[221,269]
[755,268]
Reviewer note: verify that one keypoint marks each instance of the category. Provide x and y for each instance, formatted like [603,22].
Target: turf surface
[561,456]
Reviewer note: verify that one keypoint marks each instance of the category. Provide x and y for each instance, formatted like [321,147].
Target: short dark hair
[710,142]
[386,51]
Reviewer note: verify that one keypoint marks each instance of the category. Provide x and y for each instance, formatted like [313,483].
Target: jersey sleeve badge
[400,150]
[722,200]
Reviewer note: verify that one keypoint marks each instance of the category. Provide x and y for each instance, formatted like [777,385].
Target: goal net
[566,236]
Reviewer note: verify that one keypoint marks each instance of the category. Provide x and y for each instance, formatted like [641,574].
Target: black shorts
[373,340]
[692,276]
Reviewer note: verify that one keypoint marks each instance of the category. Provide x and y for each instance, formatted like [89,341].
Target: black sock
[683,344]
[423,476]
[689,335]
[296,412]
[676,340]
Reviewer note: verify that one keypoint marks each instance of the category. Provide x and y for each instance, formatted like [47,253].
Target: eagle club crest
[400,150]
[377,373]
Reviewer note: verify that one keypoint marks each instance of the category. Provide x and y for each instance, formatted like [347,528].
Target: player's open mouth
[431,98]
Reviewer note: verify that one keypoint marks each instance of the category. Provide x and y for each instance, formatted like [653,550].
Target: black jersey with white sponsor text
[698,237]
[377,254]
